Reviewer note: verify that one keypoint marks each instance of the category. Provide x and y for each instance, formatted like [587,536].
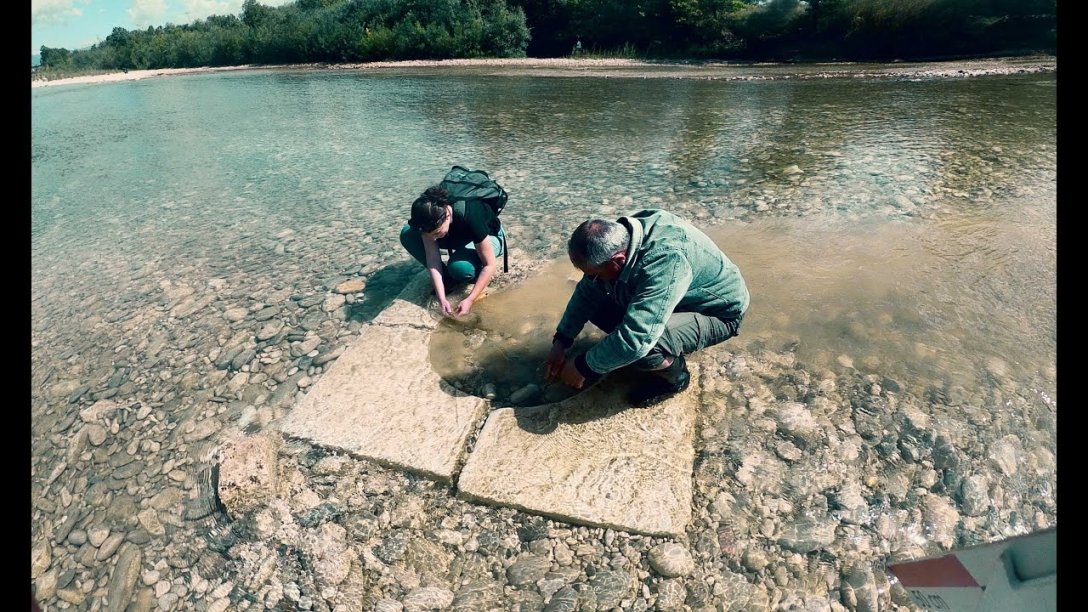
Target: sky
[75,24]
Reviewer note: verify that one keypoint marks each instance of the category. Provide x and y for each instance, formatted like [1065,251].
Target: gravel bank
[635,69]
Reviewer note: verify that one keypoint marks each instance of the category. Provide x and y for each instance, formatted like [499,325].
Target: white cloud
[156,12]
[199,9]
[147,13]
[54,11]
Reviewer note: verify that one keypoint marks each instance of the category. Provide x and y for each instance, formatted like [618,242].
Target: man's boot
[662,384]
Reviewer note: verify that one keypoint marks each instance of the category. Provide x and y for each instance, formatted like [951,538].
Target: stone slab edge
[601,464]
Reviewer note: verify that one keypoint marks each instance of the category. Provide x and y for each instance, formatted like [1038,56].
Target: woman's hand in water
[464,307]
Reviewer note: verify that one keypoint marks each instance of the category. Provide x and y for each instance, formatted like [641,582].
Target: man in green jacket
[659,288]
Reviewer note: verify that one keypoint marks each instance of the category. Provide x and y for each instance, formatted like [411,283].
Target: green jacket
[671,267]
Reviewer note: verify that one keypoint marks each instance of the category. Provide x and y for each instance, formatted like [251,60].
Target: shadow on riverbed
[507,369]
[382,288]
[498,351]
[604,400]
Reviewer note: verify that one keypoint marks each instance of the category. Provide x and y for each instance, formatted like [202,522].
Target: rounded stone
[77,537]
[671,560]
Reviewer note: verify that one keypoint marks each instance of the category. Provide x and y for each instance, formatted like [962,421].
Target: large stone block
[382,401]
[592,460]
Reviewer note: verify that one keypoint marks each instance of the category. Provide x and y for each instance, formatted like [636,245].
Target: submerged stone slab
[382,401]
[590,459]
[410,307]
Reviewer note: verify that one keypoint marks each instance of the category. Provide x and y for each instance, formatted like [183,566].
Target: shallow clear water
[903,228]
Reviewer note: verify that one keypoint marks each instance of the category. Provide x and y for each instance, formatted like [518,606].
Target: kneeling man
[659,288]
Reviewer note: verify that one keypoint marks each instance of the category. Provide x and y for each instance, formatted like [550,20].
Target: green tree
[354,30]
[255,14]
[54,57]
[708,27]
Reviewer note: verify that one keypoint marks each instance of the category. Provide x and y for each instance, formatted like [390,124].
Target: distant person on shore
[470,231]
[659,288]
[577,47]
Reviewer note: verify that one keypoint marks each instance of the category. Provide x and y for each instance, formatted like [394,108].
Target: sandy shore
[131,75]
[601,67]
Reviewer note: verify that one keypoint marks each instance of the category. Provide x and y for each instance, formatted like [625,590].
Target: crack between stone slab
[470,445]
[402,325]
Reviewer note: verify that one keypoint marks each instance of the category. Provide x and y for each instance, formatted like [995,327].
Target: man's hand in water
[571,376]
[446,308]
[554,362]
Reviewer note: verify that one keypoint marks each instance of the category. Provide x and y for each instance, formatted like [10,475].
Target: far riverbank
[636,68]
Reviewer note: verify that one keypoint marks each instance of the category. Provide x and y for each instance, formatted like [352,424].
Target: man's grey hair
[595,241]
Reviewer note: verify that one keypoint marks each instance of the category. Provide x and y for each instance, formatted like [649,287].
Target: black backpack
[463,185]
